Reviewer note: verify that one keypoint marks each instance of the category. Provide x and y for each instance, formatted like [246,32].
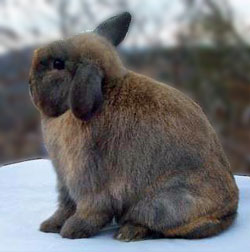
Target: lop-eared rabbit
[125,146]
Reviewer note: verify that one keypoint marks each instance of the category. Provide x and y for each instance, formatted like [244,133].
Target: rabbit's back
[152,131]
[157,117]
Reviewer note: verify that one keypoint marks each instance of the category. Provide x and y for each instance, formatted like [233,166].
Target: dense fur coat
[126,146]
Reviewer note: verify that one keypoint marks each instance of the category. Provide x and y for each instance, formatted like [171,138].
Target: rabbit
[125,146]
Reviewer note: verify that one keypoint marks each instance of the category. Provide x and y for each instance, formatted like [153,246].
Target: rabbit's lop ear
[86,92]
[115,28]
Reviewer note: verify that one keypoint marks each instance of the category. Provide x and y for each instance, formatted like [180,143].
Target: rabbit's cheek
[52,96]
[53,103]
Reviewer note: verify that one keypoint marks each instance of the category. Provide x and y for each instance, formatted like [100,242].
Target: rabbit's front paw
[56,221]
[76,227]
[52,225]
[130,232]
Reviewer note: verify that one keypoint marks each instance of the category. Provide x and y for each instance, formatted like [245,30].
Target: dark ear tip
[126,16]
[115,28]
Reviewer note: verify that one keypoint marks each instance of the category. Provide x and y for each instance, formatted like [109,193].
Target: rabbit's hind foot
[129,232]
[201,228]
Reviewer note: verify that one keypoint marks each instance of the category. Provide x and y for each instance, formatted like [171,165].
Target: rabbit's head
[70,73]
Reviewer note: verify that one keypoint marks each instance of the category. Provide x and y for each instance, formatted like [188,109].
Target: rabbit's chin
[51,111]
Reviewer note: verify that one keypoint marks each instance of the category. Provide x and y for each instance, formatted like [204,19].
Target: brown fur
[149,157]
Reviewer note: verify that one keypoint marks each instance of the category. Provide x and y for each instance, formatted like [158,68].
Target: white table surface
[28,196]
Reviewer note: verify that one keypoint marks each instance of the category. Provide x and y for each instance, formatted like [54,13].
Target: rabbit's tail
[202,227]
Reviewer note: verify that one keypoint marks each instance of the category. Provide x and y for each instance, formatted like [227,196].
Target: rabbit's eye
[44,63]
[58,64]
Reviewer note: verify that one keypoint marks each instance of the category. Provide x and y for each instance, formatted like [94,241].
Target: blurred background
[199,46]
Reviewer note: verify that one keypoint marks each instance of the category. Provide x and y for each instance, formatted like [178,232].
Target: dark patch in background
[216,77]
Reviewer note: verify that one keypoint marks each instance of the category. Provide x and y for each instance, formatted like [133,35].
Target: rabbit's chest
[64,139]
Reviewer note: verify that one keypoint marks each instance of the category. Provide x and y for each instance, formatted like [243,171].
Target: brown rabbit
[126,146]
